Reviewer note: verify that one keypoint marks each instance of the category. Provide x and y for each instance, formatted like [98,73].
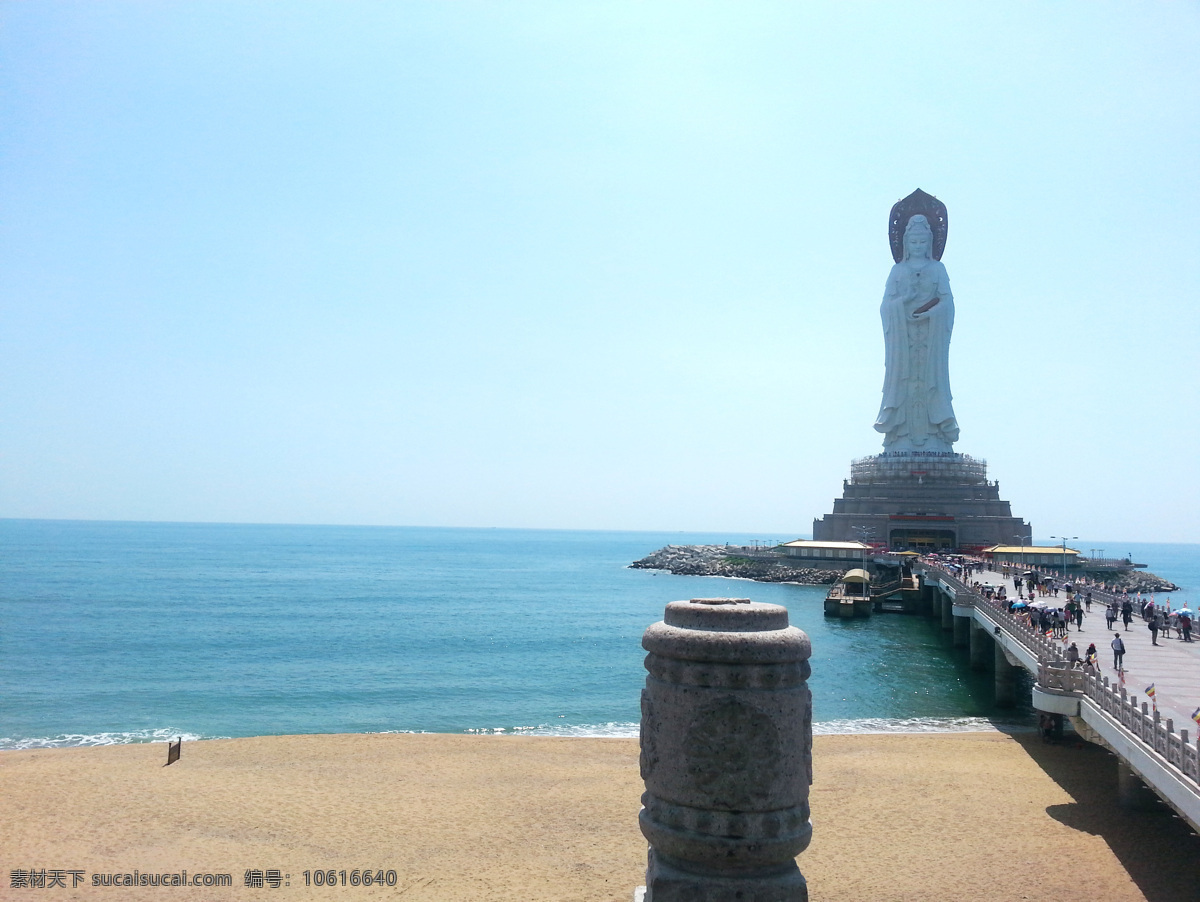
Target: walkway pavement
[1173,666]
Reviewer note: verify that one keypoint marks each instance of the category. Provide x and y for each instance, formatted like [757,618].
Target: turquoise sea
[128,632]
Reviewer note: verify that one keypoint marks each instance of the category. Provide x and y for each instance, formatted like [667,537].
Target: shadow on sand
[1157,848]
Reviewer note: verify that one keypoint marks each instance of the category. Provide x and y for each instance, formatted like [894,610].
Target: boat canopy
[857,575]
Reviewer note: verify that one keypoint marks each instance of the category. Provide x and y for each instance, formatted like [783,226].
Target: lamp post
[1064,540]
[1023,540]
[863,532]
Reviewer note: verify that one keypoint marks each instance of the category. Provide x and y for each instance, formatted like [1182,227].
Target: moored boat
[850,596]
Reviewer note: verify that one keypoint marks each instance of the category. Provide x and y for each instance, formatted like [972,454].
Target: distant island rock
[769,566]
[1133,582]
[722,560]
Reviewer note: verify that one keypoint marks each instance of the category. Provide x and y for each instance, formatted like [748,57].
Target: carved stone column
[726,753]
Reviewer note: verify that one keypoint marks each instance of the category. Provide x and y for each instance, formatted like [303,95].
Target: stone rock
[766,566]
[1134,581]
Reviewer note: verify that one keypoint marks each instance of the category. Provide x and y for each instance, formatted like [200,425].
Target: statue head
[918,238]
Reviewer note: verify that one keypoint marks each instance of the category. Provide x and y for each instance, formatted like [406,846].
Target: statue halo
[931,208]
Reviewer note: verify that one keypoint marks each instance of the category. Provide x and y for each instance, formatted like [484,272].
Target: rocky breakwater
[1133,582]
[721,560]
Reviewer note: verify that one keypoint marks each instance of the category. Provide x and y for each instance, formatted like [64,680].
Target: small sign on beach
[173,749]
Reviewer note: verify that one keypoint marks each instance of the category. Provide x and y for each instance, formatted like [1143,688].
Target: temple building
[826,551]
[1033,555]
[921,503]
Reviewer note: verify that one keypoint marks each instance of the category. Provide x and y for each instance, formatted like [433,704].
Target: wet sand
[896,817]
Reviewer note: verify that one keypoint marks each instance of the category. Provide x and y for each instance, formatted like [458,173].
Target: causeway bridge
[1153,755]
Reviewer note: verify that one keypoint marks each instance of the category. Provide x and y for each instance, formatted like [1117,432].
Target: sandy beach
[896,817]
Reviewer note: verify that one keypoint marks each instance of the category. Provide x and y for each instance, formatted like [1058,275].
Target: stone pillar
[947,604]
[726,753]
[1006,679]
[927,603]
[962,631]
[981,650]
[1132,793]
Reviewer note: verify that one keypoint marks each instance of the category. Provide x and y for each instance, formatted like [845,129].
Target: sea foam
[83,740]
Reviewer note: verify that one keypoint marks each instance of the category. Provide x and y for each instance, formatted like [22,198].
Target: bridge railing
[1139,721]
[886,588]
[1018,625]
[1142,720]
[1060,678]
[1146,724]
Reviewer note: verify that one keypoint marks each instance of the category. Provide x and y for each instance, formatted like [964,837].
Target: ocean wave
[86,740]
[871,725]
[863,726]
[578,731]
[611,730]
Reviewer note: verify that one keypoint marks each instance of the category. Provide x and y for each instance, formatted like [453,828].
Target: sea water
[126,632]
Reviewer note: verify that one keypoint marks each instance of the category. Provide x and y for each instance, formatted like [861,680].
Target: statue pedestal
[931,501]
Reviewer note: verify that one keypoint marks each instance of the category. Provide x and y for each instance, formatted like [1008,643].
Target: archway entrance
[922,539]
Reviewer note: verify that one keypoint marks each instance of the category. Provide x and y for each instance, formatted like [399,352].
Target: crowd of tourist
[1035,603]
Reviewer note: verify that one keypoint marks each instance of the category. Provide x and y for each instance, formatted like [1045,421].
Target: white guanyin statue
[918,317]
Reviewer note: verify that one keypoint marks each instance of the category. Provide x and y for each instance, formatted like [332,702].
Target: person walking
[1110,613]
[1118,648]
[1153,624]
[1127,613]
[1073,655]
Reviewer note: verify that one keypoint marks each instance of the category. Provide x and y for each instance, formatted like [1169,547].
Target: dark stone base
[669,881]
[923,504]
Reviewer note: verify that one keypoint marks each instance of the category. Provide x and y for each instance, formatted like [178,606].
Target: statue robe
[916,413]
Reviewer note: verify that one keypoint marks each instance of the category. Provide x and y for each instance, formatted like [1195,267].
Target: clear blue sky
[587,265]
